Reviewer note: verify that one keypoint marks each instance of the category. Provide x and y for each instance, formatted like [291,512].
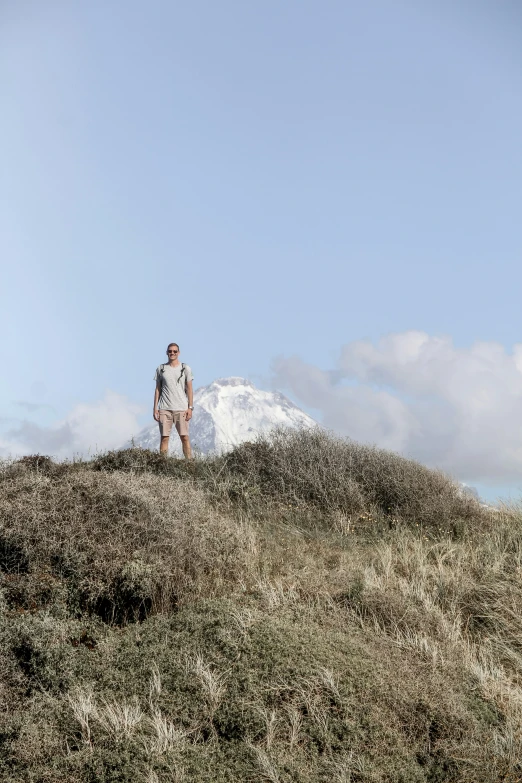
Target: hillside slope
[301,609]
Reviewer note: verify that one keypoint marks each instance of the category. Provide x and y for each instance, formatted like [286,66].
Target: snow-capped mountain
[227,412]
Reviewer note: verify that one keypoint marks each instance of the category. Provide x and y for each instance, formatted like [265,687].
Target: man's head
[172,351]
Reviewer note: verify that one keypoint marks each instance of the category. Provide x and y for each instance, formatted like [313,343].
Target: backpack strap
[181,373]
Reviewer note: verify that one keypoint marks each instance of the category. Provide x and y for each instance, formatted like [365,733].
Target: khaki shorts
[167,418]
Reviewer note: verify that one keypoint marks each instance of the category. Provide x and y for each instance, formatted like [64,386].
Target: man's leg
[185,442]
[165,426]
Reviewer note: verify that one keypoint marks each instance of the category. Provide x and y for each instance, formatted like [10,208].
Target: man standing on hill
[173,400]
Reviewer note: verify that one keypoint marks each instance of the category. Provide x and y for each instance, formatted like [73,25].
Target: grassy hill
[303,609]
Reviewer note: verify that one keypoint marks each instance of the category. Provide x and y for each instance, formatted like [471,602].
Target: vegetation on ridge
[303,609]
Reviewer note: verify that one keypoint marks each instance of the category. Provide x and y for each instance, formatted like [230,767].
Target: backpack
[181,373]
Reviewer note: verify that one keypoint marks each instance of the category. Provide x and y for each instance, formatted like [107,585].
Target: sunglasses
[172,351]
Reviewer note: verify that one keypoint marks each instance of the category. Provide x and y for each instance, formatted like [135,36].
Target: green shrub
[314,467]
[123,544]
[138,460]
[223,692]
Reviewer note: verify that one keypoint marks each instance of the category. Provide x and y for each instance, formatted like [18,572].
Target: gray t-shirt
[173,393]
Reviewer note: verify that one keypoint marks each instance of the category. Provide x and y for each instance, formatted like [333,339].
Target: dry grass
[302,610]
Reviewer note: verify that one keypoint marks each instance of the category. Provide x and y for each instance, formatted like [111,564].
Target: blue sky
[266,183]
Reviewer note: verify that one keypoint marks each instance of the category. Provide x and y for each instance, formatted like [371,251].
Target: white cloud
[87,429]
[458,409]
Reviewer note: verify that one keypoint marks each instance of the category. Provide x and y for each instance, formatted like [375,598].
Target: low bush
[222,692]
[123,545]
[138,460]
[313,467]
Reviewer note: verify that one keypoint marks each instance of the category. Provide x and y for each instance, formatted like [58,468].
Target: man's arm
[190,395]
[155,411]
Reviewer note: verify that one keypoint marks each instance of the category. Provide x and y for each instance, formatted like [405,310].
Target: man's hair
[171,344]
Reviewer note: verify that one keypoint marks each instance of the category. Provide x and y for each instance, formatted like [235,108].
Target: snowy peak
[230,411]
[232,381]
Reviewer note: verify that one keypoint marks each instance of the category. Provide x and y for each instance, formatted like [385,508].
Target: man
[173,400]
